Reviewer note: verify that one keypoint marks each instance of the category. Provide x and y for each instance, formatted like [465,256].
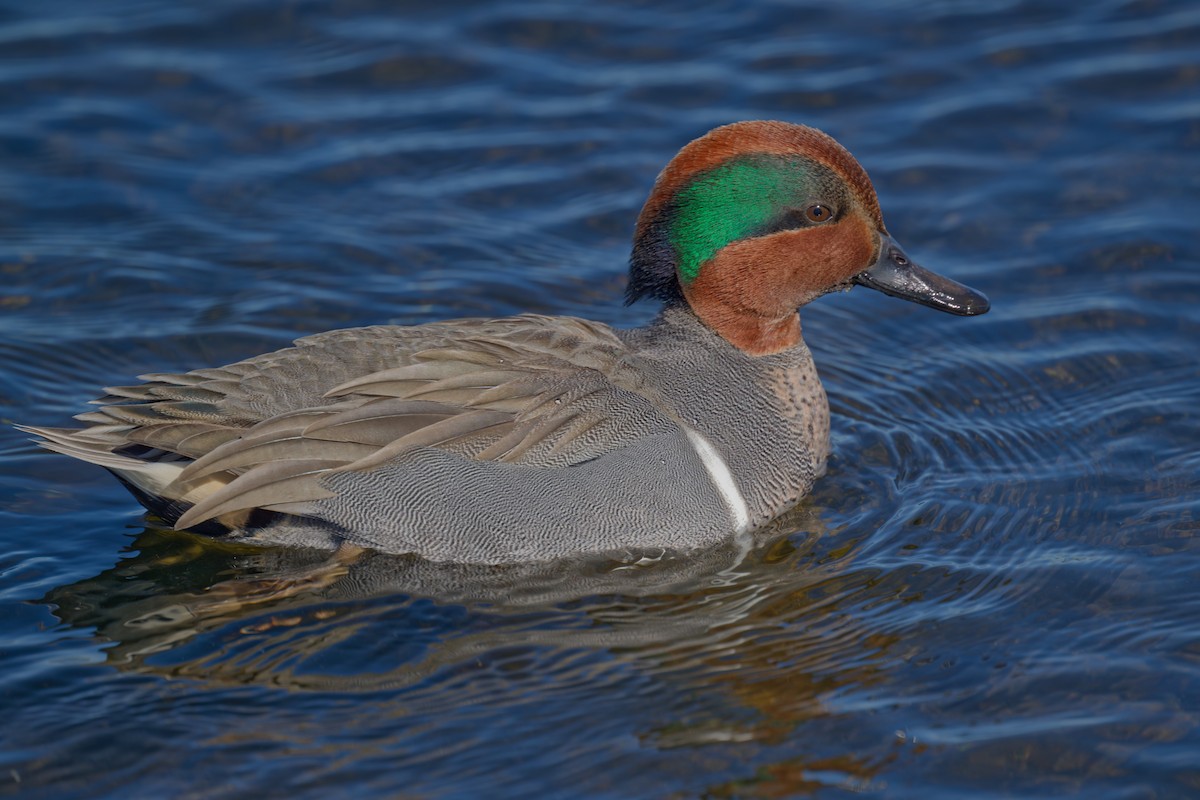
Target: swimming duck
[536,437]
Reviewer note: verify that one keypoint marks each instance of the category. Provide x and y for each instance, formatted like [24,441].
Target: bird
[533,437]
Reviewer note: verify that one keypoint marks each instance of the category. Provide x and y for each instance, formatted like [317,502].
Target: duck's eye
[818,212]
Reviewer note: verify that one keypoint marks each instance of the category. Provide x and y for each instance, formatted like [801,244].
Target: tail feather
[94,445]
[149,474]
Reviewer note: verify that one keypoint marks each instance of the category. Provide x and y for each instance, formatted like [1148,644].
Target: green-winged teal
[534,437]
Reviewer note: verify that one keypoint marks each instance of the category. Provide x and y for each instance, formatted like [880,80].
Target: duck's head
[755,219]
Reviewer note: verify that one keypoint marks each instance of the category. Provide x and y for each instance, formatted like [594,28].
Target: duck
[536,438]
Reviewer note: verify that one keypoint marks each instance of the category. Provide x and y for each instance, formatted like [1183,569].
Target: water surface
[993,593]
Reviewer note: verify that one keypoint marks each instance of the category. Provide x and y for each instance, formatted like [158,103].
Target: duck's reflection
[756,631]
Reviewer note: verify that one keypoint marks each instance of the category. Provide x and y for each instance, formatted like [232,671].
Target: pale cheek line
[722,479]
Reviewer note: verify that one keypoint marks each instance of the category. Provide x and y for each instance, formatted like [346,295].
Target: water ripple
[991,592]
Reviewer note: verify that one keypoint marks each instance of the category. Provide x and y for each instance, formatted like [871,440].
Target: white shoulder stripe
[722,478]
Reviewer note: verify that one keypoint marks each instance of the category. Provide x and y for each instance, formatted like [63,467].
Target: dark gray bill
[893,273]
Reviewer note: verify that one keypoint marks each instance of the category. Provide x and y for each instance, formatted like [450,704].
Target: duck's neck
[749,331]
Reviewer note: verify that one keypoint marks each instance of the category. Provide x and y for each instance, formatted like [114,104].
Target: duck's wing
[530,390]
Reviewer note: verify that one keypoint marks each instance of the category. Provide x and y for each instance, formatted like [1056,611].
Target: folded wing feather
[516,391]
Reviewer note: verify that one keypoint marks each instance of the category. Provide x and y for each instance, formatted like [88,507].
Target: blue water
[993,593]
